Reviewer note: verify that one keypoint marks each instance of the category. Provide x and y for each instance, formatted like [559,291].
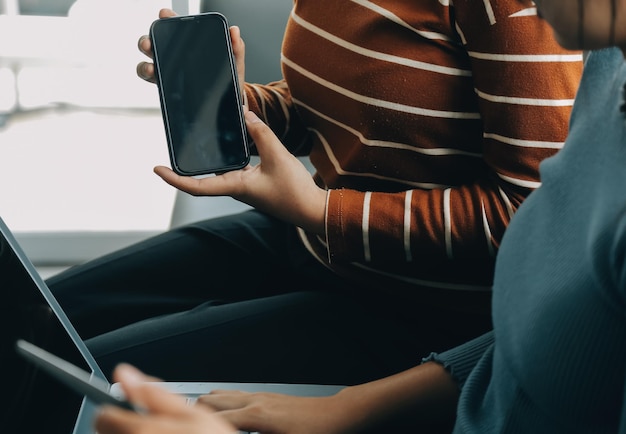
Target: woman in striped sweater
[426,123]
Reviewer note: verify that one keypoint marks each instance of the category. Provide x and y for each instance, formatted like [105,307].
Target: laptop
[35,402]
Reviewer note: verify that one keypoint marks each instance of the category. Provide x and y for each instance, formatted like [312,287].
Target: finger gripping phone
[199,94]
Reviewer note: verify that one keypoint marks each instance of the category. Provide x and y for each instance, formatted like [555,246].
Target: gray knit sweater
[556,361]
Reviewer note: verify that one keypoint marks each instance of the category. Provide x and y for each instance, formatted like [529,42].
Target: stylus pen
[94,388]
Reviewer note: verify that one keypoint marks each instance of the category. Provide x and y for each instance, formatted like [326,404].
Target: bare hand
[279,185]
[166,413]
[145,70]
[277,413]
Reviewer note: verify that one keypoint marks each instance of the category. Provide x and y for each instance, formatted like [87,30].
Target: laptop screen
[35,402]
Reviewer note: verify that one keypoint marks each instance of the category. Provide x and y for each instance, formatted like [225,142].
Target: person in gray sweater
[556,359]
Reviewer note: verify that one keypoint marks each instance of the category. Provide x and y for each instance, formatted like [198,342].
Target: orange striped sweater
[426,123]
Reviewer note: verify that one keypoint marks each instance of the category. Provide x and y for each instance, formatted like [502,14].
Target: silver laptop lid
[36,402]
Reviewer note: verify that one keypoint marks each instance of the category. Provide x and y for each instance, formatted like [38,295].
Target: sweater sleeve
[525,84]
[461,360]
[619,255]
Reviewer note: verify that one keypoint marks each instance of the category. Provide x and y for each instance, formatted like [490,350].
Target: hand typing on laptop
[232,411]
[169,413]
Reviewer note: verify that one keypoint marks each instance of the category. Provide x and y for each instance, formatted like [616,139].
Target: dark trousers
[238,298]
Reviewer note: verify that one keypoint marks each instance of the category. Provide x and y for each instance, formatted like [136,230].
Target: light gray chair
[262,24]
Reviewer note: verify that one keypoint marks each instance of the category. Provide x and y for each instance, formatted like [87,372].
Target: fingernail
[140,42]
[140,70]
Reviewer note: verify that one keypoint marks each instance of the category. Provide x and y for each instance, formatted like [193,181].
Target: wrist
[316,212]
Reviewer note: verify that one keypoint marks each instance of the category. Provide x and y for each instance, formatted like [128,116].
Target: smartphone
[199,93]
[82,382]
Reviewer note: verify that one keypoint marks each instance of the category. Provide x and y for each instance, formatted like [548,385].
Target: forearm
[454,224]
[423,396]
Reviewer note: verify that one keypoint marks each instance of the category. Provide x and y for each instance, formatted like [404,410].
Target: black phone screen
[199,93]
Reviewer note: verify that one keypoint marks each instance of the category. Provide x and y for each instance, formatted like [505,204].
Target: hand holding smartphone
[199,94]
